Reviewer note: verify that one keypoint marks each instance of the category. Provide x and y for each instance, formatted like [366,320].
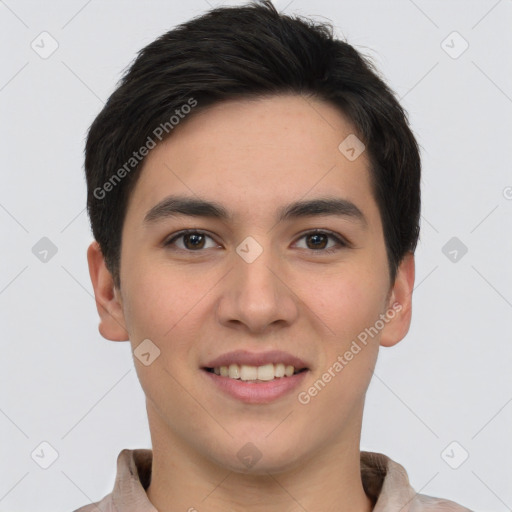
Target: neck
[184,479]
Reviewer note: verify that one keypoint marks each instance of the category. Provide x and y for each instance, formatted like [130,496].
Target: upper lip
[244,357]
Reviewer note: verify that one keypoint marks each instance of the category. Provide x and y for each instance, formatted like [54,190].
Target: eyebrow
[173,206]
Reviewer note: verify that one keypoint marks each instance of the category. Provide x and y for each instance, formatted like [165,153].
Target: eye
[318,241]
[194,241]
[190,240]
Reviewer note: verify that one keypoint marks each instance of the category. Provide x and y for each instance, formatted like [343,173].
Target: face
[287,266]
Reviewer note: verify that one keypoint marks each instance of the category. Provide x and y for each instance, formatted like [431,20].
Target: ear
[108,298]
[399,304]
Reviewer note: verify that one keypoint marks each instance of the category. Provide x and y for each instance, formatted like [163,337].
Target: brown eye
[190,241]
[194,241]
[320,242]
[316,241]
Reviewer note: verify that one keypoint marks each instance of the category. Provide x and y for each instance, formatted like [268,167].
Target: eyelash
[340,242]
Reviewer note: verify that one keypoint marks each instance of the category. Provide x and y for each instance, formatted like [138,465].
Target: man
[253,190]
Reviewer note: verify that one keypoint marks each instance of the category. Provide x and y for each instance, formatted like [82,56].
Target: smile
[249,373]
[255,391]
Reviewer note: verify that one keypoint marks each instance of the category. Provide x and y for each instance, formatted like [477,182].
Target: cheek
[157,300]
[157,308]
[347,302]
[349,351]
[163,306]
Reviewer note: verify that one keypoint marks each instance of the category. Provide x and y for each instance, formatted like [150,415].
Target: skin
[254,157]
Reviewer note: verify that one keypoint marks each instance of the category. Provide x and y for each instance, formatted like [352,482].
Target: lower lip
[262,392]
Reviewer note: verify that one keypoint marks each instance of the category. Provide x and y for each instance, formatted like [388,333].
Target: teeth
[245,372]
[265,372]
[249,372]
[279,370]
[234,371]
[288,371]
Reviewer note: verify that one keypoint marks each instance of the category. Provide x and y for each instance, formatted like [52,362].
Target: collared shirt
[384,481]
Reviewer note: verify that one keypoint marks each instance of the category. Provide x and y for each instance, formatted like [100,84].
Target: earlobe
[108,299]
[399,305]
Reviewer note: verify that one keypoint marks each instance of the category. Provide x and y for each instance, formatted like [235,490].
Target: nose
[256,296]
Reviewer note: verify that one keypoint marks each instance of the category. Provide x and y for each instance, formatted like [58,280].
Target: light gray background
[449,380]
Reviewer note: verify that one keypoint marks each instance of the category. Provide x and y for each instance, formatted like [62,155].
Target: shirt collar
[384,481]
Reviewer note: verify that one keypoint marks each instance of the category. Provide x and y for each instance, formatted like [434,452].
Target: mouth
[255,378]
[248,373]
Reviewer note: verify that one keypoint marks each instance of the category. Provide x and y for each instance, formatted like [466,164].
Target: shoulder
[424,503]
[105,505]
[387,482]
[132,478]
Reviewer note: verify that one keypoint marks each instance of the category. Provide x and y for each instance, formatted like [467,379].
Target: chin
[259,457]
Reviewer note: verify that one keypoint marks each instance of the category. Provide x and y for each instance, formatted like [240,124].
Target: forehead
[255,155]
